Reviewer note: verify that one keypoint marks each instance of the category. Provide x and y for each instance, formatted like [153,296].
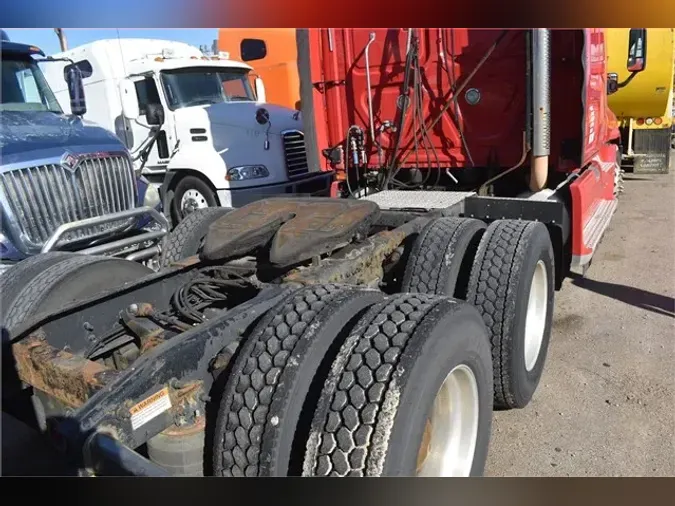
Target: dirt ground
[606,402]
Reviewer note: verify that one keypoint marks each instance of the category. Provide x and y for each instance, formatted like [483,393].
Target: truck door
[147,92]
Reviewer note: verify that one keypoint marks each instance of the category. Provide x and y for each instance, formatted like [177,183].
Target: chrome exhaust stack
[541,107]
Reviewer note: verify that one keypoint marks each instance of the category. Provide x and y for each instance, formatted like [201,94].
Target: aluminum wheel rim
[192,200]
[535,320]
[449,440]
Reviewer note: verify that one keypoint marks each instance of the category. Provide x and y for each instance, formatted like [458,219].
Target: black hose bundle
[211,285]
[412,64]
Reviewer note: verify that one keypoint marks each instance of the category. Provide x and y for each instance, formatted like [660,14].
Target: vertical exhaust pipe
[541,107]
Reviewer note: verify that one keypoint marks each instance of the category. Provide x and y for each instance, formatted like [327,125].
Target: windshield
[205,86]
[23,87]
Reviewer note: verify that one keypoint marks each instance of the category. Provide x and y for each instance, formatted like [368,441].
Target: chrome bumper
[52,243]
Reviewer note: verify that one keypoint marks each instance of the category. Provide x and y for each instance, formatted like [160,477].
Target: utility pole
[62,38]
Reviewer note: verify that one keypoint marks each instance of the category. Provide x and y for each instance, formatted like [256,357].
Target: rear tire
[16,277]
[268,400]
[515,259]
[384,391]
[187,238]
[441,258]
[69,280]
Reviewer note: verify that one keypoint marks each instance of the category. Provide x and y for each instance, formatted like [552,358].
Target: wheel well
[179,175]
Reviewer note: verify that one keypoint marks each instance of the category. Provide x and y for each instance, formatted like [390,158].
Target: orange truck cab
[273,55]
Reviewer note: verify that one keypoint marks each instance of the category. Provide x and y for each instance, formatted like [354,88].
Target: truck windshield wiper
[203,101]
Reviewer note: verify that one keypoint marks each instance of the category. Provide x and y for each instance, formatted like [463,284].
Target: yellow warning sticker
[149,408]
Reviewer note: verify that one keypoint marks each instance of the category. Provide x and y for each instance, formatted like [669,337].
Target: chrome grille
[44,197]
[295,153]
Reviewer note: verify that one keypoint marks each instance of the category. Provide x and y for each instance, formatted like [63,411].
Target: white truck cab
[215,142]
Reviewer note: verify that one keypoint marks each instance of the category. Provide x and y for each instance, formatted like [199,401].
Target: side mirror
[154,114]
[129,99]
[260,90]
[78,105]
[637,50]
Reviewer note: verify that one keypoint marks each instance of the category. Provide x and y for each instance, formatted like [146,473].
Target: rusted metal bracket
[72,379]
[178,369]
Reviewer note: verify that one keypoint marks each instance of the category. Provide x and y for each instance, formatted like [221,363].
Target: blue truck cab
[65,183]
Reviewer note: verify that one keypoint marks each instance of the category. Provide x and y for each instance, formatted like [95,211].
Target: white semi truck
[216,141]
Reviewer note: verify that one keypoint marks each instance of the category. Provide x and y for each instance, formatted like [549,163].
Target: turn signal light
[658,121]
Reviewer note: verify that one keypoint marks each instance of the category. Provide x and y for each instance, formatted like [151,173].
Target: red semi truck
[481,116]
[371,335]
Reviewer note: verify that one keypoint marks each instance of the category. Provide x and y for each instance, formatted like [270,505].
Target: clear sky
[46,39]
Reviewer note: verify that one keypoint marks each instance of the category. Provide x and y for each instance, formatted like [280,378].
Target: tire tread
[345,437]
[491,283]
[263,371]
[433,252]
[180,242]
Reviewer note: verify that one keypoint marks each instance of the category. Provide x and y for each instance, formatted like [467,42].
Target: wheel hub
[535,319]
[449,439]
[191,201]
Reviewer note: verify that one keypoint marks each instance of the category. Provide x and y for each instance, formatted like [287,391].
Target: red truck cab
[483,113]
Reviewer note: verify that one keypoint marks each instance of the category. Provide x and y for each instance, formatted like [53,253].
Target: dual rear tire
[344,382]
[505,270]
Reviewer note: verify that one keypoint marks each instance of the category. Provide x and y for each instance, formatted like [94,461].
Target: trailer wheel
[68,280]
[512,284]
[409,394]
[262,423]
[16,277]
[191,194]
[441,258]
[186,239]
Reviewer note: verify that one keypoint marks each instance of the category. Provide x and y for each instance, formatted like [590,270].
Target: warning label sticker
[149,408]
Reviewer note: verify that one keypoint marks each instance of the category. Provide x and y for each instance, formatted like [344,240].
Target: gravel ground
[606,404]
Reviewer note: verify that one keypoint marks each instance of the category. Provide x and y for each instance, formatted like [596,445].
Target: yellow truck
[645,108]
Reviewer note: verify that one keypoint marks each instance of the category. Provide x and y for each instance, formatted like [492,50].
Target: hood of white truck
[241,115]
[244,114]
[231,132]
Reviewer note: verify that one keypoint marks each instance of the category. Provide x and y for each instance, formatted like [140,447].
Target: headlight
[246,172]
[152,198]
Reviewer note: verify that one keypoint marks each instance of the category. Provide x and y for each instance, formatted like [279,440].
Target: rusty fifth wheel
[409,394]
